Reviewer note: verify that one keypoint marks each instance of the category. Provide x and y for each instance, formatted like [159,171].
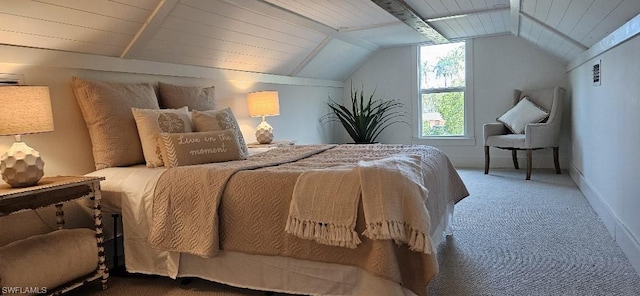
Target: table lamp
[25,110]
[263,103]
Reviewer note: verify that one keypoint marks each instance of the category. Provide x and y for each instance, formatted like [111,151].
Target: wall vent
[597,73]
[11,79]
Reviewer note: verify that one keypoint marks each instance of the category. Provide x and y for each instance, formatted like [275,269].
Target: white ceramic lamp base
[264,133]
[21,165]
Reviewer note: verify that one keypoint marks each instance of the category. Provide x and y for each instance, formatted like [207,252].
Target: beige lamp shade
[263,103]
[25,110]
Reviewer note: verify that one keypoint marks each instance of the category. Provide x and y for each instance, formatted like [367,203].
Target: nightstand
[270,145]
[56,191]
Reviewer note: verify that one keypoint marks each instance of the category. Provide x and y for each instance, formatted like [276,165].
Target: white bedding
[129,190]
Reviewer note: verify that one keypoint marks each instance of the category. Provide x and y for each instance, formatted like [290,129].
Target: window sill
[444,141]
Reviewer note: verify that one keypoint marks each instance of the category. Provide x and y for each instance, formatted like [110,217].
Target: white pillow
[152,122]
[523,113]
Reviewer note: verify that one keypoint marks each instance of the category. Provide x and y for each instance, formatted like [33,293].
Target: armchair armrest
[541,135]
[493,129]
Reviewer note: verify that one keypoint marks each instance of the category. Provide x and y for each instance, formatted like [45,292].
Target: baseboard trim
[505,162]
[629,245]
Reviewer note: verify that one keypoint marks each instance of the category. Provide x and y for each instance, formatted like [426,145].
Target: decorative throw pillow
[71,253]
[197,148]
[217,120]
[194,97]
[523,113]
[151,123]
[106,109]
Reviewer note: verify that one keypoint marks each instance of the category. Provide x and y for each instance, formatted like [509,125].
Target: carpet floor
[511,237]
[537,237]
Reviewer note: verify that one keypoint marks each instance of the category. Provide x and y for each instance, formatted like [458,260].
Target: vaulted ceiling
[324,39]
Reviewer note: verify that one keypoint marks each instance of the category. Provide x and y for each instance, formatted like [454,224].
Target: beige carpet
[511,237]
[537,237]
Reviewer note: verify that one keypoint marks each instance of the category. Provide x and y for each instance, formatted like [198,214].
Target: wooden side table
[270,145]
[56,191]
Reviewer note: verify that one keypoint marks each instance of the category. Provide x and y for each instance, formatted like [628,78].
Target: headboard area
[127,126]
[68,150]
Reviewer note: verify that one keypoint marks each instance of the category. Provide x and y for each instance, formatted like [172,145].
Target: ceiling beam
[149,28]
[554,31]
[310,57]
[73,60]
[466,14]
[515,16]
[375,26]
[409,16]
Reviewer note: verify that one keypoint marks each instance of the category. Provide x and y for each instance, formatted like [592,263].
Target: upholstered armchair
[543,133]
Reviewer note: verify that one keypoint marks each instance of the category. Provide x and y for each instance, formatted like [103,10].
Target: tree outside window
[442,88]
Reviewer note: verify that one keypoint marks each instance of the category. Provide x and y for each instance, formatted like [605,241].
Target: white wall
[500,64]
[605,158]
[67,150]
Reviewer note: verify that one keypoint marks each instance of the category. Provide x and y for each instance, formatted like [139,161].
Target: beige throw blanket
[393,200]
[325,203]
[324,206]
[185,206]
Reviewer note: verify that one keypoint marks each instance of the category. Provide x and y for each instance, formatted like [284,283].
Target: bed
[254,250]
[195,202]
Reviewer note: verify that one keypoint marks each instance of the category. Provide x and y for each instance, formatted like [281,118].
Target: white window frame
[468,138]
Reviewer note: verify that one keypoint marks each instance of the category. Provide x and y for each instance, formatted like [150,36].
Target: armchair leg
[514,155]
[529,152]
[555,159]
[486,160]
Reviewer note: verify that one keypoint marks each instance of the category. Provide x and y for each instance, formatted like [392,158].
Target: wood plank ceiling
[325,39]
[565,28]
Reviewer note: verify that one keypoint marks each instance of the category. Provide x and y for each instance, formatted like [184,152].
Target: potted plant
[366,118]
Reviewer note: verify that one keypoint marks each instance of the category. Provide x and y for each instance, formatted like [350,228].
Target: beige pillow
[198,148]
[523,113]
[194,97]
[106,108]
[216,120]
[49,260]
[151,123]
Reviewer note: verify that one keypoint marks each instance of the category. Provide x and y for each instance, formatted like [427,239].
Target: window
[442,103]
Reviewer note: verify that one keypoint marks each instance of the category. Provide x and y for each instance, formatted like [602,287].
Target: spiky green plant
[366,118]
